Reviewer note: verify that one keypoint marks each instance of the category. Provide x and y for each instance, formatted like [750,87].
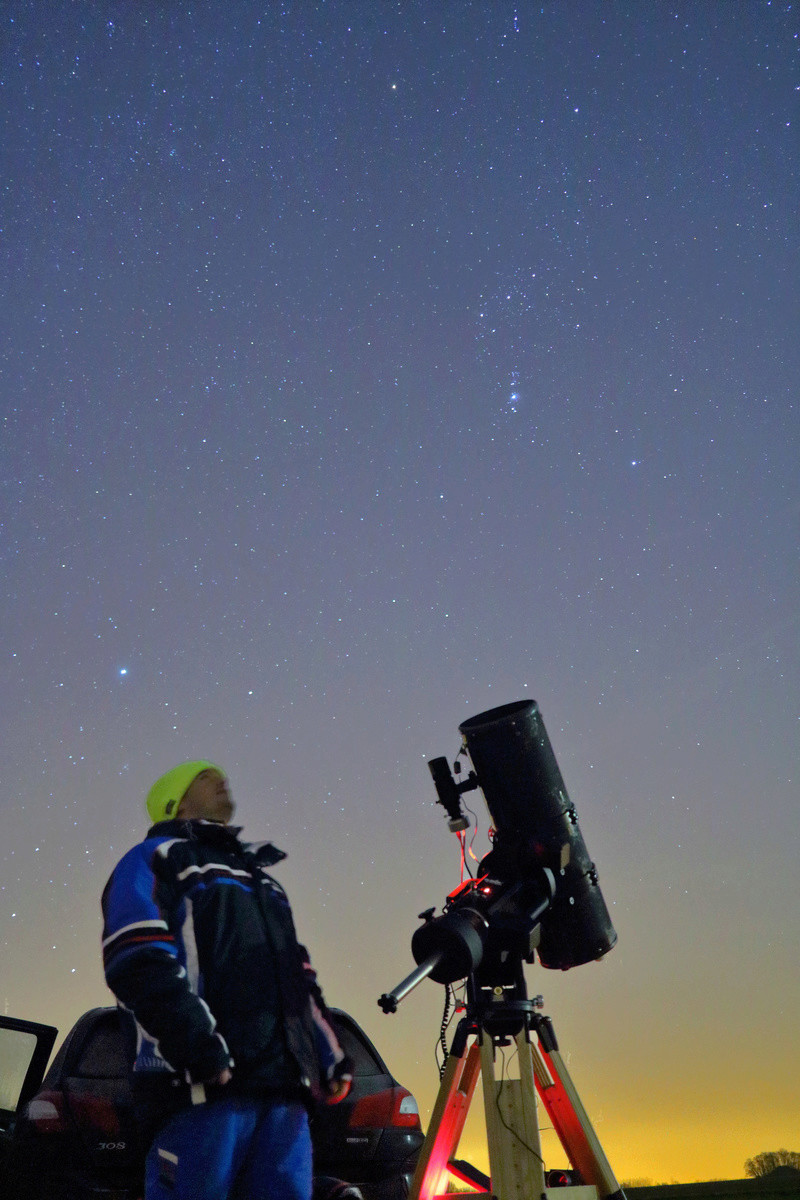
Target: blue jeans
[232,1149]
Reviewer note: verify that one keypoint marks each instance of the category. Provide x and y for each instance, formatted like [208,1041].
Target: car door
[25,1048]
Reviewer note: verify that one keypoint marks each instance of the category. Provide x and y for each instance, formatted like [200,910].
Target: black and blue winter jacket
[199,944]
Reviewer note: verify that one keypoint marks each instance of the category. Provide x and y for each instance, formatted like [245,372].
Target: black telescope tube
[536,826]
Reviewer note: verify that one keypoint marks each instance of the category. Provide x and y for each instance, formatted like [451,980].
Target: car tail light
[55,1112]
[46,1112]
[393,1106]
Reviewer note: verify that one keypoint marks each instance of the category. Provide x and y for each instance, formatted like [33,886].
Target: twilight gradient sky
[365,365]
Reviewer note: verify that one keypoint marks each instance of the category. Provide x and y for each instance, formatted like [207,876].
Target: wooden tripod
[512,1127]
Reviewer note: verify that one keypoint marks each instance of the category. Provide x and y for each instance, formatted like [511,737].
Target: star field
[364,365]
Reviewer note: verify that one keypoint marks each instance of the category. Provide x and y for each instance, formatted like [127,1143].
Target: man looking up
[234,1039]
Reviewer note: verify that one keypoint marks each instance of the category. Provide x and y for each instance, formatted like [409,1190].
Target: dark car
[69,1134]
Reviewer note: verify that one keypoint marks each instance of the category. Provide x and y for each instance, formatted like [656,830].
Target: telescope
[536,892]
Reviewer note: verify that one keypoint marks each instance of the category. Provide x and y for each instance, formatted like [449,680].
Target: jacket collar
[213,833]
[195,830]
[265,853]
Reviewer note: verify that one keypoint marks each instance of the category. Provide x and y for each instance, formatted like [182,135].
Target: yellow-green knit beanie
[167,792]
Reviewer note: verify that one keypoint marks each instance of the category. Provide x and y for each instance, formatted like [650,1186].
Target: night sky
[366,365]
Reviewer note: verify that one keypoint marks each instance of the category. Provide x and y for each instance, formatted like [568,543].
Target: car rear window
[104,1054]
[363,1059]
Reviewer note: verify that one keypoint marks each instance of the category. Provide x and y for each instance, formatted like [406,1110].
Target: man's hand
[338,1089]
[198,1090]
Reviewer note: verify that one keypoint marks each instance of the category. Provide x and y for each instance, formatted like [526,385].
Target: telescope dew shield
[537,826]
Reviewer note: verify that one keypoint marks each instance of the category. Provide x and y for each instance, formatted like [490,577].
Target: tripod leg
[571,1122]
[512,1126]
[446,1124]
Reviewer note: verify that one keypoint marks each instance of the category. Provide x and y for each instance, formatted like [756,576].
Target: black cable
[443,1029]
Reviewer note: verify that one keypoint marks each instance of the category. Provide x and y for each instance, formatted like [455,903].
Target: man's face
[208,797]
